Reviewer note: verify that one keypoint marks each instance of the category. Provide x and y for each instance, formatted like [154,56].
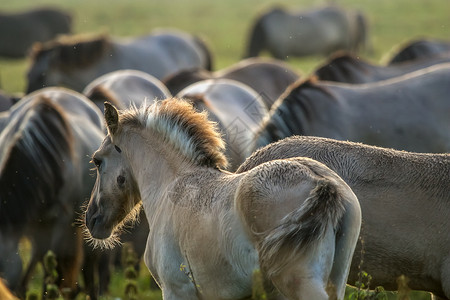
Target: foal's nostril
[91,217]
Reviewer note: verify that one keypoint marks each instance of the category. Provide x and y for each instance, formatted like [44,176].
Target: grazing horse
[238,110]
[417,49]
[18,31]
[405,206]
[210,229]
[268,77]
[75,61]
[348,68]
[125,87]
[317,32]
[44,178]
[409,112]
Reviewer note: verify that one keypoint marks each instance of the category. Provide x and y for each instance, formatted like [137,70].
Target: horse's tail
[302,229]
[257,38]
[361,39]
[206,51]
[34,162]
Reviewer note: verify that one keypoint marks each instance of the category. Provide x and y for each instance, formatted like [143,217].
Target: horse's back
[421,48]
[126,87]
[326,30]
[269,78]
[169,51]
[73,103]
[19,31]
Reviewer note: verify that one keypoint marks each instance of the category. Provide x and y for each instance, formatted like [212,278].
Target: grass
[224,25]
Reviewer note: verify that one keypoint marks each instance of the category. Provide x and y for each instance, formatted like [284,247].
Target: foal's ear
[111,117]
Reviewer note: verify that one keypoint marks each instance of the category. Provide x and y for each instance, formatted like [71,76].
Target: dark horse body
[406,113]
[350,69]
[18,31]
[268,77]
[421,48]
[44,179]
[316,32]
[76,61]
[405,206]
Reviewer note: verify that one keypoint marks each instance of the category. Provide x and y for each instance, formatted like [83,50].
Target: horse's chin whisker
[105,244]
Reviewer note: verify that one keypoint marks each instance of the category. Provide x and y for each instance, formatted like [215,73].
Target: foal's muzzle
[95,222]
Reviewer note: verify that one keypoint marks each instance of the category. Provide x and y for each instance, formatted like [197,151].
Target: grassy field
[224,25]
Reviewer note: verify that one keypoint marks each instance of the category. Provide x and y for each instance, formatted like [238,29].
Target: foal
[294,219]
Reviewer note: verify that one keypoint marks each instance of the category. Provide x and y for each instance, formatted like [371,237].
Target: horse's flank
[73,52]
[395,189]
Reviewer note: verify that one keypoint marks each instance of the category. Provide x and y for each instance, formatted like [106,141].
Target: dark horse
[75,61]
[18,31]
[268,77]
[44,179]
[317,32]
[344,67]
[406,113]
[421,48]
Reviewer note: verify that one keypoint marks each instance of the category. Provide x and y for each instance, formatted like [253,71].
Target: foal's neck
[155,166]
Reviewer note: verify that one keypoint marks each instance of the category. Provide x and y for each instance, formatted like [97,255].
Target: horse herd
[212,175]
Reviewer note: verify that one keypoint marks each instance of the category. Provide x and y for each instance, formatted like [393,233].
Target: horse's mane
[76,51]
[182,127]
[340,65]
[33,162]
[288,113]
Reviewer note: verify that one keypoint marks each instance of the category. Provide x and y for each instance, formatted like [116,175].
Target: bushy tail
[302,229]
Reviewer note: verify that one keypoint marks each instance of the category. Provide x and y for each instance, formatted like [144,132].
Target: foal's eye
[120,180]
[97,162]
[117,149]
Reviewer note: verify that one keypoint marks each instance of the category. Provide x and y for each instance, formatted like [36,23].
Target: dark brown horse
[344,67]
[18,31]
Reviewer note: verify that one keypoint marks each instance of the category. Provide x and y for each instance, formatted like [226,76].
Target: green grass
[224,25]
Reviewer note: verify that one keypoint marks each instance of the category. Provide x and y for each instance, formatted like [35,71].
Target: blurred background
[225,25]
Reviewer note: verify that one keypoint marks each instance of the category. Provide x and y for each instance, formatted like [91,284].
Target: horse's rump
[38,145]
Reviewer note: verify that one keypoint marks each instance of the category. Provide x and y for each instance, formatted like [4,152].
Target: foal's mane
[71,52]
[182,127]
[32,165]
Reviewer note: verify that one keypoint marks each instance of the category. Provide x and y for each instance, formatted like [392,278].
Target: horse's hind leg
[307,277]
[346,239]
